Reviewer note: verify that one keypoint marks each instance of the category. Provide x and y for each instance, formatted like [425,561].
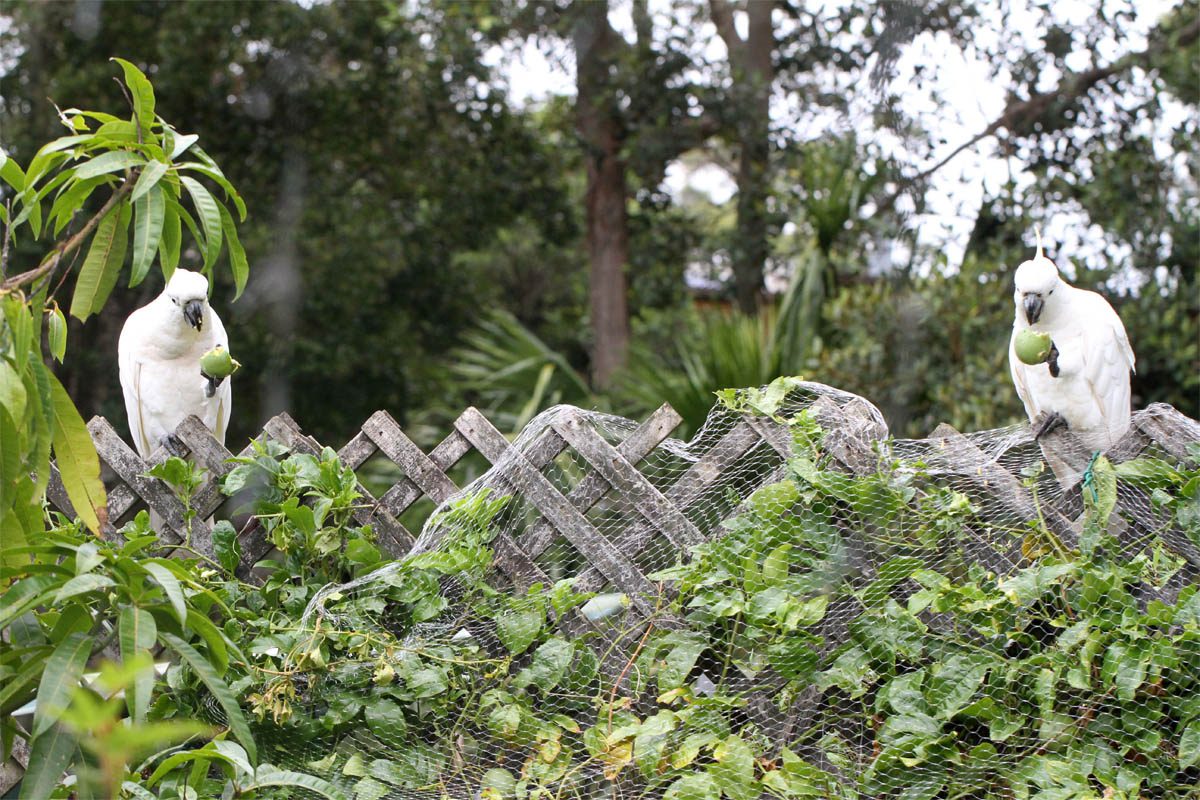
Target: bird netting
[791,604]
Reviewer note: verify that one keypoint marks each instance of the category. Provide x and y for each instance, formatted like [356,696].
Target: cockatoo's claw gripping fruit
[218,363]
[1032,347]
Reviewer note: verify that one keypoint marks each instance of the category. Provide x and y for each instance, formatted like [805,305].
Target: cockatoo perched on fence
[1084,380]
[159,357]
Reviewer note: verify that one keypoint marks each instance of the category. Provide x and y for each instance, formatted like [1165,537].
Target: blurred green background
[614,204]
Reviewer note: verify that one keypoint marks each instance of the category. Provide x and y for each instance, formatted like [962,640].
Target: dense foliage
[1072,676]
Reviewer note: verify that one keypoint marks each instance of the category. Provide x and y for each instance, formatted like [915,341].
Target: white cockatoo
[159,357]
[1084,383]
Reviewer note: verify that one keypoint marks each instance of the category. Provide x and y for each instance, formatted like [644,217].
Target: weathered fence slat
[557,509]
[611,477]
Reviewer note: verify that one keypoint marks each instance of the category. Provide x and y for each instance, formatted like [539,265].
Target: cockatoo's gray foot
[1052,361]
[210,384]
[173,444]
[1047,423]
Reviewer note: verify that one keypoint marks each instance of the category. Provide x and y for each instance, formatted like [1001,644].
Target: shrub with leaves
[153,181]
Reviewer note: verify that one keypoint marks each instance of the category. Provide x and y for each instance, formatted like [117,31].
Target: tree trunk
[599,126]
[753,77]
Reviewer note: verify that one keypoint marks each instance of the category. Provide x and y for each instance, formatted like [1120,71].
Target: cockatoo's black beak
[1033,307]
[193,312]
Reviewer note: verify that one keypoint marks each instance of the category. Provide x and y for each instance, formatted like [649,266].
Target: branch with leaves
[148,169]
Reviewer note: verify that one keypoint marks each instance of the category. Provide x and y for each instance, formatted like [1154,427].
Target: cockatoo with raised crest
[159,358]
[1084,380]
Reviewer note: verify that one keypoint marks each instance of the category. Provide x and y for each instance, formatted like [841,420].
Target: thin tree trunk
[599,126]
[753,77]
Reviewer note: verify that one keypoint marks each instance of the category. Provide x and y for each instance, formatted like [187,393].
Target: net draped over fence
[790,604]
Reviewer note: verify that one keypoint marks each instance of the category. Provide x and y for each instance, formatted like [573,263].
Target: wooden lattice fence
[612,476]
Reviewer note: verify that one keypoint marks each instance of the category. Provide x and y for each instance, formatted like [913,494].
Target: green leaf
[70,201]
[218,652]
[78,464]
[24,595]
[220,690]
[953,682]
[680,659]
[63,670]
[208,209]
[11,173]
[549,666]
[226,546]
[82,584]
[56,330]
[267,775]
[137,634]
[693,787]
[149,211]
[105,163]
[103,263]
[49,756]
[734,769]
[214,173]
[517,629]
[1189,746]
[237,254]
[171,241]
[149,178]
[170,584]
[142,93]
[385,718]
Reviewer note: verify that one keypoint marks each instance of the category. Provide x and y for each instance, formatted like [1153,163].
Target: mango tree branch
[70,245]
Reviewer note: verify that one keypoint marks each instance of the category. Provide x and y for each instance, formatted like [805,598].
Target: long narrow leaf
[213,172]
[141,91]
[281,777]
[169,244]
[77,461]
[149,178]
[237,254]
[150,212]
[112,161]
[70,201]
[170,584]
[210,218]
[220,690]
[49,756]
[138,632]
[106,246]
[63,670]
[11,173]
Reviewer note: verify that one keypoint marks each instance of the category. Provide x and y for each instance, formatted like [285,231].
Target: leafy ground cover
[926,676]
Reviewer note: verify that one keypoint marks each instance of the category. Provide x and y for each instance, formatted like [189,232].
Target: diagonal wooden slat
[639,444]
[131,469]
[740,440]
[418,467]
[631,484]
[570,522]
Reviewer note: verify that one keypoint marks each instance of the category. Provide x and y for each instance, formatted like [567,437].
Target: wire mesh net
[790,604]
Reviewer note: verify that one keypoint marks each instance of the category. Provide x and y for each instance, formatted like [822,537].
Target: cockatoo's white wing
[1107,361]
[130,370]
[224,396]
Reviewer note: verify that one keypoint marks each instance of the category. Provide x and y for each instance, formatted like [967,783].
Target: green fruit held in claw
[218,363]
[1032,347]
